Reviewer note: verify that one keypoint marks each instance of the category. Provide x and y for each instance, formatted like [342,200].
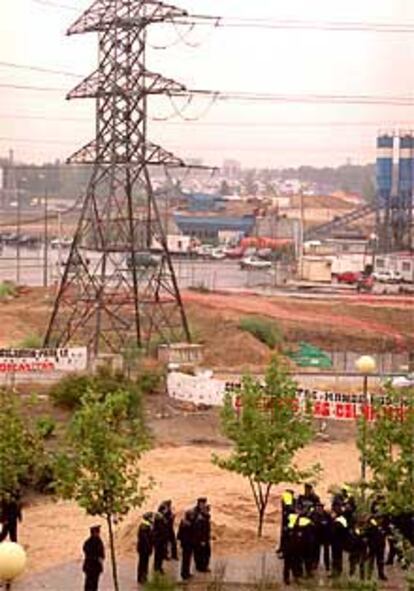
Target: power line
[258,23]
[39,69]
[32,87]
[230,124]
[266,97]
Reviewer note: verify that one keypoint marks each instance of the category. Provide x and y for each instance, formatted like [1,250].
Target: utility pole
[100,303]
[302,233]
[18,234]
[46,239]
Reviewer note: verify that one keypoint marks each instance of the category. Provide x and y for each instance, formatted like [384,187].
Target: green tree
[266,430]
[389,449]
[100,469]
[21,449]
[389,452]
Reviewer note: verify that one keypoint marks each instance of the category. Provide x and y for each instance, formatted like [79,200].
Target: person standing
[307,501]
[160,538]
[322,521]
[94,553]
[376,535]
[11,514]
[186,538]
[288,507]
[166,509]
[202,540]
[292,560]
[338,542]
[144,546]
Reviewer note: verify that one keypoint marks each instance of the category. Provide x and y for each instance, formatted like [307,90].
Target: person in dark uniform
[339,539]
[202,540]
[200,505]
[358,548]
[306,543]
[322,521]
[94,552]
[160,540]
[376,535]
[288,507]
[186,538]
[10,515]
[144,546]
[307,502]
[291,562]
[166,509]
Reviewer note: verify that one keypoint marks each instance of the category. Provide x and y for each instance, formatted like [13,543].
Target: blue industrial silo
[385,149]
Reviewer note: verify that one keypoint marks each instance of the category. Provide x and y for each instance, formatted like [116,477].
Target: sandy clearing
[53,532]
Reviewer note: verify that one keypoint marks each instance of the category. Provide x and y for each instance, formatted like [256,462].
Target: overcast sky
[276,61]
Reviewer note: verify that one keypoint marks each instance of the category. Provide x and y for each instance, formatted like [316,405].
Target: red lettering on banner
[339,410]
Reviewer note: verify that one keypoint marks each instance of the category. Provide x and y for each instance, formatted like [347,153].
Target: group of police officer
[310,534]
[156,535]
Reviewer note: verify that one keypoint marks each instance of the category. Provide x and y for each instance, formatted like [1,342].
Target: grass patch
[31,341]
[7,290]
[264,330]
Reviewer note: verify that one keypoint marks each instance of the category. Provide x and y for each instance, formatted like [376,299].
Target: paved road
[68,577]
[209,274]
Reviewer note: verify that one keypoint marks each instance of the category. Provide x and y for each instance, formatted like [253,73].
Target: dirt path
[248,304]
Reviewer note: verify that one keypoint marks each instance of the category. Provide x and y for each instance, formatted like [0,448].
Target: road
[211,275]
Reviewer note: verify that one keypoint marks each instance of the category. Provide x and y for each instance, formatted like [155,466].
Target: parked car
[234,253]
[348,277]
[254,263]
[387,276]
[406,381]
[204,251]
[144,260]
[218,254]
[61,243]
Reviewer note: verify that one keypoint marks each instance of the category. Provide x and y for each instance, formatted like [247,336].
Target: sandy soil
[53,533]
[300,313]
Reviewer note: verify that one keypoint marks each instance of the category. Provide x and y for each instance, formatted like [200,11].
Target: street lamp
[12,562]
[366,365]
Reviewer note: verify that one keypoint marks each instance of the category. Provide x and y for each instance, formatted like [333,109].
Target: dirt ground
[181,466]
[358,324]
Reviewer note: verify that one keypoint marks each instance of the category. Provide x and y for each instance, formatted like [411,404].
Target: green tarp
[310,356]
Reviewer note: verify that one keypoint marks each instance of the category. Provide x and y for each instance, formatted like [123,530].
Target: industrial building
[208,228]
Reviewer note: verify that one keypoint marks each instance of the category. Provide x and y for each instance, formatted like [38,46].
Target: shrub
[45,427]
[31,341]
[149,381]
[264,330]
[7,290]
[68,392]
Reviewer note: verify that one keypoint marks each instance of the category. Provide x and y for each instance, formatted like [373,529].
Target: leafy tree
[21,449]
[266,432]
[389,449]
[389,453]
[100,468]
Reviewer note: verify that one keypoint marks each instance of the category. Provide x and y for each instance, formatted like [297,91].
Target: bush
[264,330]
[69,391]
[149,381]
[31,341]
[45,427]
[7,290]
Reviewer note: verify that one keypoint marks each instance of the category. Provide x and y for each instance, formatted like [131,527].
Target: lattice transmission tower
[112,292]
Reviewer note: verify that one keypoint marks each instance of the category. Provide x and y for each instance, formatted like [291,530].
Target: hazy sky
[277,61]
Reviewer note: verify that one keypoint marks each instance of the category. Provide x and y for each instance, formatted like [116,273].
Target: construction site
[132,260]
